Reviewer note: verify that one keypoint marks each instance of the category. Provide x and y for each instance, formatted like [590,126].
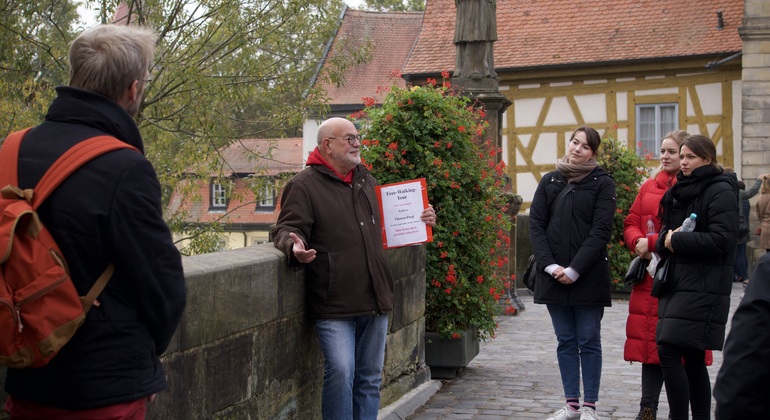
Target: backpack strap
[71,160]
[9,158]
[90,298]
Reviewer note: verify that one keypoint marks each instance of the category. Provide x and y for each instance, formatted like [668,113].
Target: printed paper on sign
[401,205]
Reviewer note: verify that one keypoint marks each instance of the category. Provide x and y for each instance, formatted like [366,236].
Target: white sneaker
[588,414]
[565,413]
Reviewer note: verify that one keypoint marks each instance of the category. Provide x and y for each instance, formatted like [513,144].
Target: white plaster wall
[593,108]
[710,98]
[661,91]
[527,184]
[526,111]
[560,113]
[545,151]
[621,104]
[309,137]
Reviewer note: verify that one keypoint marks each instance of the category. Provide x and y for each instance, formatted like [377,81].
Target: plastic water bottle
[650,227]
[689,223]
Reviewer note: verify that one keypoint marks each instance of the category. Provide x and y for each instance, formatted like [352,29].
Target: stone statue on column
[475,77]
[475,33]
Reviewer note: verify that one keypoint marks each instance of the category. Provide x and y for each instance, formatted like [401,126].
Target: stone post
[510,298]
[755,118]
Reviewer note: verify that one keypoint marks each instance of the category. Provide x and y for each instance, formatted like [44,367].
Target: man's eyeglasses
[351,139]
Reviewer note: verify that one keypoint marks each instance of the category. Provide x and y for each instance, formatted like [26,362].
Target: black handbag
[661,276]
[529,275]
[636,271]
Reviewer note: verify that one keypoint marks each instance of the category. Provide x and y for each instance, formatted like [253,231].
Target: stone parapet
[246,349]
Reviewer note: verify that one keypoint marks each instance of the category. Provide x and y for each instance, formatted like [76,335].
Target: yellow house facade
[546,109]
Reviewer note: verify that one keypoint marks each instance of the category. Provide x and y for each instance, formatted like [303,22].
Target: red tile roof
[264,156]
[534,33]
[392,36]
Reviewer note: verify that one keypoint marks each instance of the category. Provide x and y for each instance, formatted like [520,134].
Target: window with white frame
[218,196]
[267,197]
[653,121]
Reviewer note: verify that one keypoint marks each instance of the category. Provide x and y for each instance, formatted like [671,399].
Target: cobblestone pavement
[516,376]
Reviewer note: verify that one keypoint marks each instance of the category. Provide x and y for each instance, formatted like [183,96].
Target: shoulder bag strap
[561,195]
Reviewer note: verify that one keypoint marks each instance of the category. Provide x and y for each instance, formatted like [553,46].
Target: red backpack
[40,310]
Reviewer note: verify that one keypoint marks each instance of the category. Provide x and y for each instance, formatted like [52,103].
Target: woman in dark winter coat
[695,299]
[640,231]
[569,240]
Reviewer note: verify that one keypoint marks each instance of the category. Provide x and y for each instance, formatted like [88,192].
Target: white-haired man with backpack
[107,212]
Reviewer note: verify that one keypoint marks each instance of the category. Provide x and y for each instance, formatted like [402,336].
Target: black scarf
[686,190]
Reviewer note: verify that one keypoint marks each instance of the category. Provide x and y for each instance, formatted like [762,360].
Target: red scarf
[316,158]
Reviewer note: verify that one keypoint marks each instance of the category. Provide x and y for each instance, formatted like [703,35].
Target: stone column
[476,30]
[755,118]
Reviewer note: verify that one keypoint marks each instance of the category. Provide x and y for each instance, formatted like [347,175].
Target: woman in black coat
[569,239]
[694,301]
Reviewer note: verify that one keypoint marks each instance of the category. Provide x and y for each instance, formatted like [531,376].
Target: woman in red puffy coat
[640,237]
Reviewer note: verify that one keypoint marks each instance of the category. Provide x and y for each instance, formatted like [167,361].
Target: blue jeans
[578,331]
[354,353]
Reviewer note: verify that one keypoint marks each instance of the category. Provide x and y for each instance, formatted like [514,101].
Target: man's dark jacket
[573,234]
[107,211]
[341,221]
[743,384]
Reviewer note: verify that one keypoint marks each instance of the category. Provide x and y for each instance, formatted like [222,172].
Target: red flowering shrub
[436,134]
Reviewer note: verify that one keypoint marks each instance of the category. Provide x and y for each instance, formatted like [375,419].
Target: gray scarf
[575,172]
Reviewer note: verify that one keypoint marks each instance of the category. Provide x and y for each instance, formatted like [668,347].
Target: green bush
[629,171]
[433,133]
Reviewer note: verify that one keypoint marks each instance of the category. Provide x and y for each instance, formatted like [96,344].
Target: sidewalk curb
[410,402]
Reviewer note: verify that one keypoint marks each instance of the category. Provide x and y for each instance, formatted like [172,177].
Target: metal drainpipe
[714,64]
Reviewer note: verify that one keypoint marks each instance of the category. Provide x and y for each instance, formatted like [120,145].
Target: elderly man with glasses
[330,225]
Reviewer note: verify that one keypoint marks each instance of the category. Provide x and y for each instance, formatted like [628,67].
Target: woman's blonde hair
[678,136]
[107,58]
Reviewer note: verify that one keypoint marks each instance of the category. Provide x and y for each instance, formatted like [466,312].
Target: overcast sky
[89,16]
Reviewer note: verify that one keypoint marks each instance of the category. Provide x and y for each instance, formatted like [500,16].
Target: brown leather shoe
[647,413]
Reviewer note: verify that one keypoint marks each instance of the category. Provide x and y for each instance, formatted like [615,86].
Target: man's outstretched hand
[300,253]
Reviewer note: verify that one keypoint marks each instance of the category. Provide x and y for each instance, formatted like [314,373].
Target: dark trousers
[652,383]
[688,384]
[741,262]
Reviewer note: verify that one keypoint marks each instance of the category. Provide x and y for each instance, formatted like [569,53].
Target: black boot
[647,413]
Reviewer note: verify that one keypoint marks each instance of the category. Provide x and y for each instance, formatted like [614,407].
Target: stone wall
[245,348]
